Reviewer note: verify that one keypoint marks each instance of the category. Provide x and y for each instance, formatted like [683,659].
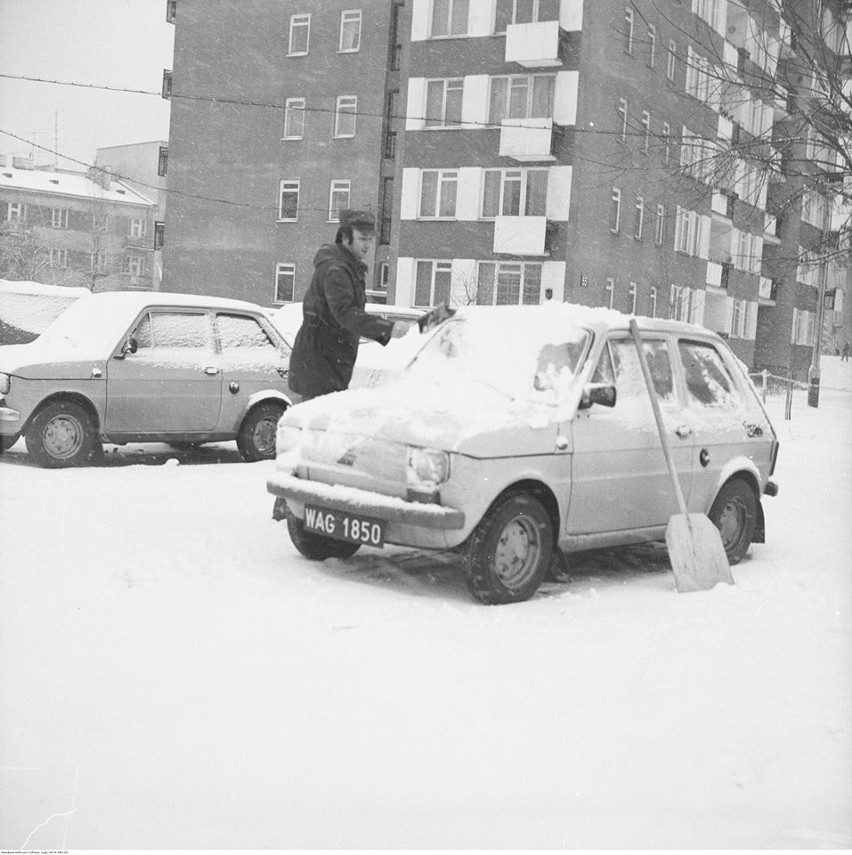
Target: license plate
[342,526]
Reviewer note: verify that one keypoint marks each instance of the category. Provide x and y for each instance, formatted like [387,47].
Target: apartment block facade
[69,228]
[513,151]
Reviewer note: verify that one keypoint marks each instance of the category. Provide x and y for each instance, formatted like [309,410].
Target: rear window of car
[708,381]
[240,332]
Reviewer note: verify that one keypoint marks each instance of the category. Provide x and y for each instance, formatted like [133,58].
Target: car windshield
[521,352]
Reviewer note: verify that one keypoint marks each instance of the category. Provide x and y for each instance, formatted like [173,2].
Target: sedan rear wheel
[61,434]
[734,513]
[509,552]
[256,439]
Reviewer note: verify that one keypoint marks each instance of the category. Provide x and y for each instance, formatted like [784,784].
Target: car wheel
[734,513]
[61,434]
[256,439]
[315,546]
[509,552]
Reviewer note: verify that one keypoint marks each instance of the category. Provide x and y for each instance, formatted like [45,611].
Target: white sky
[119,43]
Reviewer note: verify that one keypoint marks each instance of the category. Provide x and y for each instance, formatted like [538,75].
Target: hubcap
[518,551]
[63,436]
[264,435]
[732,523]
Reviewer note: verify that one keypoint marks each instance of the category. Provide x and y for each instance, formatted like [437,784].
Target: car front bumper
[301,491]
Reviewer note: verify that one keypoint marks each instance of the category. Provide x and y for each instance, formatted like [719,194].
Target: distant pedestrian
[333,315]
[845,356]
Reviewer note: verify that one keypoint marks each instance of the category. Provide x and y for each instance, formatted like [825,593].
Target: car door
[725,419]
[253,359]
[620,480]
[172,383]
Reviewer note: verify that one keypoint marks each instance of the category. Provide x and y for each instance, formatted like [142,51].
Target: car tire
[315,546]
[61,434]
[256,438]
[734,513]
[509,552]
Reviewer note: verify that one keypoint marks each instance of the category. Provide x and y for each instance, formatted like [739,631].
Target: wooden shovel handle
[658,416]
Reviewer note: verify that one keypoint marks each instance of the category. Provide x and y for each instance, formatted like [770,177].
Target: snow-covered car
[125,367]
[520,431]
[376,363]
[27,309]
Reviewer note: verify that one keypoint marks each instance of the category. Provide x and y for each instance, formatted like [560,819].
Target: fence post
[765,382]
[788,406]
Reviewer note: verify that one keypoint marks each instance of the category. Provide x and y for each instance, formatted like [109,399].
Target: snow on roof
[69,184]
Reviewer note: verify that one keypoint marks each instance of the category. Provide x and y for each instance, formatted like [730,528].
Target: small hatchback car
[125,367]
[519,431]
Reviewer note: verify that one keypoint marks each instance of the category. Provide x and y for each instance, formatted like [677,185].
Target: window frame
[609,292]
[299,20]
[334,212]
[342,109]
[506,176]
[639,217]
[660,225]
[279,271]
[138,227]
[446,266]
[16,212]
[529,106]
[59,218]
[671,60]
[509,267]
[646,124]
[343,22]
[294,189]
[652,46]
[58,257]
[450,18]
[615,211]
[445,179]
[630,21]
[621,110]
[442,122]
[291,107]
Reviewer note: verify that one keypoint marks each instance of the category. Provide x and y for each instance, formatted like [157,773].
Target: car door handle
[211,369]
[683,431]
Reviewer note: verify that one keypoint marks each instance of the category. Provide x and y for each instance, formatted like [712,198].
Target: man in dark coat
[333,315]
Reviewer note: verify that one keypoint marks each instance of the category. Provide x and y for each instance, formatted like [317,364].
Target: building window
[344,115]
[384,276]
[159,234]
[508,283]
[134,265]
[338,199]
[138,227]
[631,299]
[300,35]
[660,226]
[621,109]
[609,292]
[449,18]
[350,31]
[294,119]
[524,12]
[432,283]
[638,218]
[628,32]
[98,262]
[671,60]
[285,282]
[288,205]
[444,103]
[680,303]
[168,80]
[389,149]
[15,211]
[667,142]
[386,210]
[688,231]
[652,302]
[59,218]
[525,96]
[171,11]
[58,257]
[615,211]
[652,45]
[163,161]
[646,131]
[438,190]
[514,193]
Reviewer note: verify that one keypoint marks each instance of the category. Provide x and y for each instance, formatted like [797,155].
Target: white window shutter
[704,239]
[416,104]
[553,277]
[757,254]
[480,18]
[558,203]
[565,97]
[751,332]
[420,20]
[570,20]
[468,193]
[475,101]
[409,203]
[698,300]
[729,315]
[404,293]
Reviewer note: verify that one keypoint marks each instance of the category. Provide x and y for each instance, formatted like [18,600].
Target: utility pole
[814,370]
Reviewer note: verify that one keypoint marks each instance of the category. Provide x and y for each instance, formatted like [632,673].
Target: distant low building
[70,228]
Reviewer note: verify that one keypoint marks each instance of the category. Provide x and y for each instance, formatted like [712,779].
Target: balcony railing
[533,45]
[520,235]
[527,139]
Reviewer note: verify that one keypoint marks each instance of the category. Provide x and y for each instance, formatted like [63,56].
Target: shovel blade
[696,553]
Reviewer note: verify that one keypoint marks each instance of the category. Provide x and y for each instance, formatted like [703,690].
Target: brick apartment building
[512,150]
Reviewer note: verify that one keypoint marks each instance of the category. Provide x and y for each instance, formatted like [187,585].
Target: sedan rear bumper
[364,502]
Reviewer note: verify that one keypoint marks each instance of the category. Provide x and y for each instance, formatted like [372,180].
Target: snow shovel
[434,317]
[695,547]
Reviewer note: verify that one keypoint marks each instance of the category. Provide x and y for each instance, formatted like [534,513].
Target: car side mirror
[598,393]
[130,346]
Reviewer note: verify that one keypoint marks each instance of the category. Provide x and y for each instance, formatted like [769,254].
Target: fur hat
[364,221]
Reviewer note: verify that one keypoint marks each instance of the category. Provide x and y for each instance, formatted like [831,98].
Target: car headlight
[426,468]
[5,383]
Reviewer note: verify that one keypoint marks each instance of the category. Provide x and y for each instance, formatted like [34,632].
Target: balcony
[520,235]
[527,139]
[533,45]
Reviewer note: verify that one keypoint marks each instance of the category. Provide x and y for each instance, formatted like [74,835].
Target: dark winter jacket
[333,319]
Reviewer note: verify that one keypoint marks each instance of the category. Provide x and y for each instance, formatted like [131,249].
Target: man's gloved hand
[400,328]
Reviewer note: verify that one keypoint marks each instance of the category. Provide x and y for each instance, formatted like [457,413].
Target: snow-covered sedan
[520,431]
[125,367]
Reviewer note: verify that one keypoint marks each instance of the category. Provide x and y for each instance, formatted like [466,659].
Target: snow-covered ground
[174,675]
